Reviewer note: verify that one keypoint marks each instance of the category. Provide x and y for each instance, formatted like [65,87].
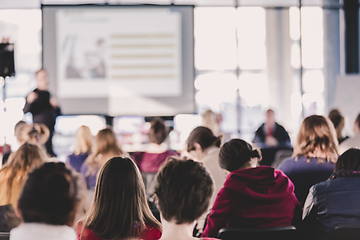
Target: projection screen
[120,60]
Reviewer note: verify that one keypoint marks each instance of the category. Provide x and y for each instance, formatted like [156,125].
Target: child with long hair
[120,209]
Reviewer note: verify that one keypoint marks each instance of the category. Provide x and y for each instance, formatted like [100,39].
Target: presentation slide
[123,60]
[118,53]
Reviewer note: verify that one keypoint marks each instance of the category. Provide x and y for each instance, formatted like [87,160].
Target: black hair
[158,132]
[235,153]
[349,160]
[50,195]
[203,136]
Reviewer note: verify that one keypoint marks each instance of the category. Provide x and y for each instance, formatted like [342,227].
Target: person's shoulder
[151,233]
[85,233]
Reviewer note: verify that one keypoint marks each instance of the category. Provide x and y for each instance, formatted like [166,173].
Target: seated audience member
[353,142]
[12,178]
[204,146]
[252,196]
[120,209]
[183,190]
[17,127]
[315,154]
[212,121]
[339,123]
[271,134]
[82,148]
[156,153]
[48,204]
[335,201]
[105,147]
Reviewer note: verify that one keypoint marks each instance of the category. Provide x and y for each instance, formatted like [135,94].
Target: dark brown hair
[183,190]
[203,136]
[349,160]
[158,132]
[120,204]
[23,161]
[338,120]
[50,195]
[236,153]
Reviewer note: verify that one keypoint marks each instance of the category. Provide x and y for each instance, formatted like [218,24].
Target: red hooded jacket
[253,198]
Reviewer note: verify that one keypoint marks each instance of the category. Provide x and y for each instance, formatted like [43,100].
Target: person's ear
[198,147]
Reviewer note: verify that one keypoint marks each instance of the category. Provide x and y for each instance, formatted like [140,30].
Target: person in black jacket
[335,201]
[43,107]
[271,134]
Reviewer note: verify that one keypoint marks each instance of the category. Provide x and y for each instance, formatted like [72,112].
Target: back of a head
[158,132]
[203,136]
[338,120]
[236,153]
[83,140]
[349,161]
[26,158]
[17,127]
[317,132]
[357,121]
[119,201]
[50,195]
[183,189]
[210,120]
[106,142]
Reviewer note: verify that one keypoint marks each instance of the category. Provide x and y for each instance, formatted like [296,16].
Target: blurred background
[250,55]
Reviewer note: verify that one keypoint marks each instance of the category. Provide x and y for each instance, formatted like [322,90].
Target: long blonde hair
[120,204]
[23,161]
[105,143]
[317,132]
[83,140]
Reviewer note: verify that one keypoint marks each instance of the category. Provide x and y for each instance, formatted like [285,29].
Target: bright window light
[313,81]
[215,39]
[294,22]
[216,82]
[312,37]
[251,37]
[254,89]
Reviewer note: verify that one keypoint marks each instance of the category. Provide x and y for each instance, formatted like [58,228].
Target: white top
[41,231]
[218,175]
[353,142]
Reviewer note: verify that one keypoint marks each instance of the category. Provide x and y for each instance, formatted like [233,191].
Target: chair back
[278,233]
[348,232]
[280,156]
[4,236]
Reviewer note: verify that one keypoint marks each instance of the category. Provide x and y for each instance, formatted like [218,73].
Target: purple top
[150,162]
[76,161]
[91,179]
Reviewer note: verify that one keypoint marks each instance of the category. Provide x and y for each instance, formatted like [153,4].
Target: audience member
[43,107]
[204,146]
[12,178]
[82,148]
[120,209]
[212,121]
[156,153]
[271,134]
[335,201]
[339,123]
[48,204]
[353,142]
[183,190]
[315,154]
[252,196]
[105,147]
[17,127]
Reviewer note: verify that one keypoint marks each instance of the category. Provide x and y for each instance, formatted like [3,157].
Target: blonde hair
[105,143]
[83,140]
[317,132]
[211,121]
[23,161]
